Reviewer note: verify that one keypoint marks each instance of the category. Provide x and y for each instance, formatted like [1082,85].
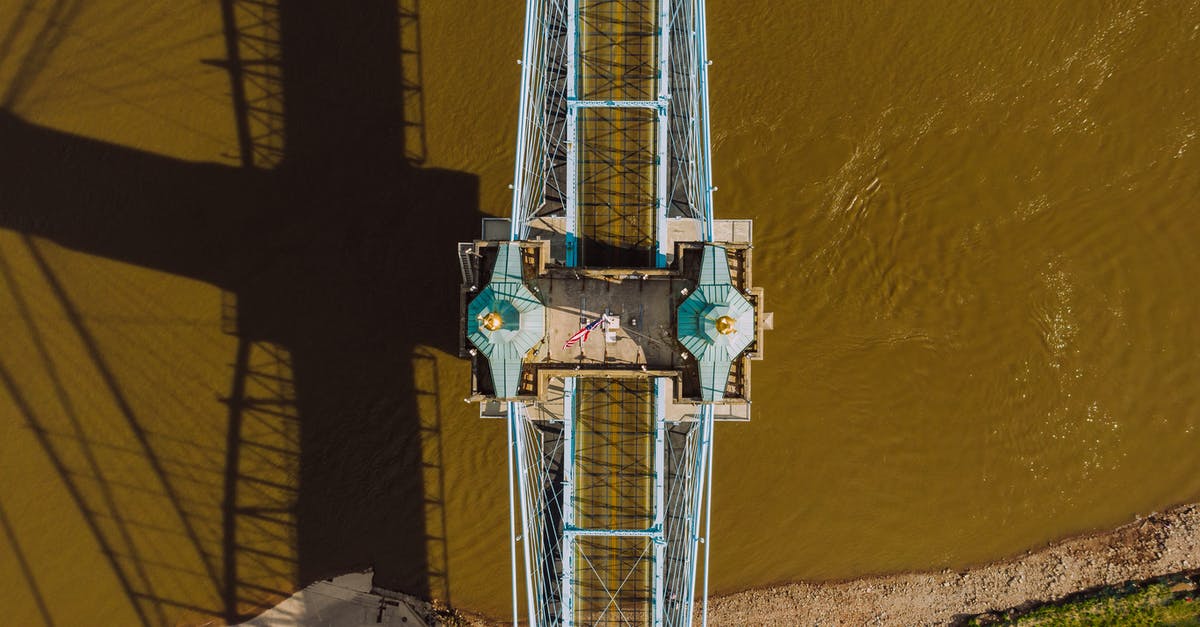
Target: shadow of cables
[15,546]
[330,243]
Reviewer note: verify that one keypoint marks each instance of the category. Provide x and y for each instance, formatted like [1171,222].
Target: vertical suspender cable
[697,494]
[517,227]
[662,151]
[706,160]
[708,521]
[512,516]
[522,465]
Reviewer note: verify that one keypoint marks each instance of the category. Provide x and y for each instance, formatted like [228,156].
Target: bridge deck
[614,479]
[617,187]
[618,47]
[641,307]
[616,197]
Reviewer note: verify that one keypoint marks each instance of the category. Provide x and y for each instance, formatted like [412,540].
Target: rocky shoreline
[1160,544]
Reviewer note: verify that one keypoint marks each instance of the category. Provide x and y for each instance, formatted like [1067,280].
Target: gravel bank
[1160,544]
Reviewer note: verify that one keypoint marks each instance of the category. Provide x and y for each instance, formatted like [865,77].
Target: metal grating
[617,178]
[618,49]
[614,581]
[614,454]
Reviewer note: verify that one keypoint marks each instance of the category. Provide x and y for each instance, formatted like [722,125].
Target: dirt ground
[1160,544]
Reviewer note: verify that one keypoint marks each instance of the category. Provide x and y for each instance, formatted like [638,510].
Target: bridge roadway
[610,578]
[614,484]
[618,61]
[610,437]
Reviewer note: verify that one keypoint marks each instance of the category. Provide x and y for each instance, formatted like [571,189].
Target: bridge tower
[611,320]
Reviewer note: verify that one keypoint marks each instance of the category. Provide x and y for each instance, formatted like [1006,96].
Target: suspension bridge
[611,320]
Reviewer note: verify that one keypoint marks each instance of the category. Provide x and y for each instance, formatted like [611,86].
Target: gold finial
[492,321]
[725,325]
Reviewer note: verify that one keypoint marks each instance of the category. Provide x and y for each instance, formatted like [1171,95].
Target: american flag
[582,334]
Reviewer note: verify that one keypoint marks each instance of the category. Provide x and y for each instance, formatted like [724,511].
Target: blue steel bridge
[610,430]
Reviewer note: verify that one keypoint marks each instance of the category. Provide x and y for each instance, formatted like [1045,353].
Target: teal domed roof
[505,320]
[715,323]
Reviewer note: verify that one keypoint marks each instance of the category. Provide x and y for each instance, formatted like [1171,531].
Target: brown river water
[228,363]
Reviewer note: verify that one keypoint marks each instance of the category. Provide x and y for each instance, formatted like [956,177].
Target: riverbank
[1162,543]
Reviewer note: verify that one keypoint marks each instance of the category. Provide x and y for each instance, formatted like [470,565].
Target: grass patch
[1155,603]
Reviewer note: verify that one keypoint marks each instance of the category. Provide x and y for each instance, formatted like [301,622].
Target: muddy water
[976,225]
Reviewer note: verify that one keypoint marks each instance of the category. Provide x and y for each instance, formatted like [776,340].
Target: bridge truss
[613,140]
[612,90]
[610,502]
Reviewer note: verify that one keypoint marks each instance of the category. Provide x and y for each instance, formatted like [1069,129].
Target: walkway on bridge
[618,62]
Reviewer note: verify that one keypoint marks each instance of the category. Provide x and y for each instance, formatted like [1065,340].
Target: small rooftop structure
[715,323]
[505,321]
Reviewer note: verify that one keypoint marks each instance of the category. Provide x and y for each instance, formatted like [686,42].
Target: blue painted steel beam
[706,421]
[570,202]
[532,35]
[662,160]
[512,513]
[706,145]
[661,386]
[568,501]
[652,532]
[617,104]
[516,416]
[707,526]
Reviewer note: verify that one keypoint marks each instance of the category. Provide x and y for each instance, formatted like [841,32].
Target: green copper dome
[715,323]
[505,321]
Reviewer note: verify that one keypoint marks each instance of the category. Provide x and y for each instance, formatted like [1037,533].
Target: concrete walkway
[345,601]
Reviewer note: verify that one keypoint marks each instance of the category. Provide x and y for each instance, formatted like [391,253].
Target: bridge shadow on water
[331,244]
